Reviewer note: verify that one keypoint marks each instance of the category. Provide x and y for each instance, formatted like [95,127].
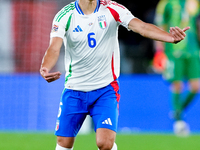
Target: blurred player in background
[182,62]
[89,31]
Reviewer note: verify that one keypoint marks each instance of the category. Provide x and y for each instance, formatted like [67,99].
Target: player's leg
[71,115]
[104,113]
[174,73]
[105,139]
[180,127]
[176,88]
[194,88]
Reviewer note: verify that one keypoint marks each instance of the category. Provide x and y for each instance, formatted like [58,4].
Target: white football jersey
[92,58]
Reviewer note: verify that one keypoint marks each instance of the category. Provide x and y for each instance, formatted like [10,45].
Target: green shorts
[178,69]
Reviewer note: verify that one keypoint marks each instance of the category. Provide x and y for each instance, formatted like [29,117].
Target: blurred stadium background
[28,104]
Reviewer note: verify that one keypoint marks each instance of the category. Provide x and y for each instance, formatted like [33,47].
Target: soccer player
[89,31]
[182,58]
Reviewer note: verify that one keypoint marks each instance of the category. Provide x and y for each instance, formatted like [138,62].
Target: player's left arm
[153,32]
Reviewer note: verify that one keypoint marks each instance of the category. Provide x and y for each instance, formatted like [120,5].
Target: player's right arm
[50,58]
[61,19]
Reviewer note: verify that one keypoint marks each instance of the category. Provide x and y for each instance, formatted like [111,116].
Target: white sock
[58,147]
[114,147]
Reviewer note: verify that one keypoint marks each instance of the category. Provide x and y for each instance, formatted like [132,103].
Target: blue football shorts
[100,104]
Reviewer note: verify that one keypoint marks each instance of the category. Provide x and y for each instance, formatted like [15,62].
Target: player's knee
[66,142]
[195,86]
[104,144]
[177,87]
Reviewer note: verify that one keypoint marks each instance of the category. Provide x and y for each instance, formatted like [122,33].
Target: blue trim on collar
[80,11]
[78,8]
[98,5]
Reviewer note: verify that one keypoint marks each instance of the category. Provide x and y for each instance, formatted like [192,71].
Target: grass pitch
[47,141]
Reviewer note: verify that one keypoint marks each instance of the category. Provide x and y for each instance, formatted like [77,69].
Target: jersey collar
[80,11]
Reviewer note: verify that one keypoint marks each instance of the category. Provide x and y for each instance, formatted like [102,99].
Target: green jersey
[181,13]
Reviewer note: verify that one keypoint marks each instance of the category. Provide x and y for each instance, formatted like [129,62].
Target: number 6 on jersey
[91,40]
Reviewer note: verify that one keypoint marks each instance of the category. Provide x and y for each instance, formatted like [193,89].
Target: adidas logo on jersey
[78,29]
[107,121]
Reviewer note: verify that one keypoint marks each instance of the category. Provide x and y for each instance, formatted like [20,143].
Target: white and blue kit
[92,63]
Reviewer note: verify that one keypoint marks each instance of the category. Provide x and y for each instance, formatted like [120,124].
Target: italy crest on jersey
[102,21]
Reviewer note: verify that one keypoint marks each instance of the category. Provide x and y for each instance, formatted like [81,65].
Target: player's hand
[49,77]
[178,34]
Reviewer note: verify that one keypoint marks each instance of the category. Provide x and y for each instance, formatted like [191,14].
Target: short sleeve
[58,26]
[120,13]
